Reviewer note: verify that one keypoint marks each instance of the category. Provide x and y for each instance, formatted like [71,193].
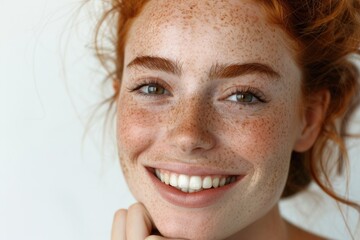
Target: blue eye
[153,89]
[243,97]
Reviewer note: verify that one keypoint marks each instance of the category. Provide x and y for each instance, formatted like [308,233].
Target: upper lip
[192,169]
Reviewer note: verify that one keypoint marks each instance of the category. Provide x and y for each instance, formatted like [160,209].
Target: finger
[118,231]
[154,237]
[138,222]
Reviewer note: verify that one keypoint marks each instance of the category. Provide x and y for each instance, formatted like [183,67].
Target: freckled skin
[196,125]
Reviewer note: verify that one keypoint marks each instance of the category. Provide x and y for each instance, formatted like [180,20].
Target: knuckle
[120,214]
[153,238]
[136,207]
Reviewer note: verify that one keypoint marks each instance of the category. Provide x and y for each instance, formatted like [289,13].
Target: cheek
[267,137]
[135,127]
[259,136]
[266,141]
[134,135]
[271,134]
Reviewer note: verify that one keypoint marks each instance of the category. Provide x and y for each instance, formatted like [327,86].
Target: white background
[54,182]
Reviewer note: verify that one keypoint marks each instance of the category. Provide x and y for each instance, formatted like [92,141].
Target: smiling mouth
[192,184]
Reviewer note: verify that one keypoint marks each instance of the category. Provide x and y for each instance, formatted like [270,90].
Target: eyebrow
[157,63]
[234,70]
[217,71]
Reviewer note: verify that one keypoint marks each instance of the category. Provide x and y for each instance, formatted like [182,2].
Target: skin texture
[197,121]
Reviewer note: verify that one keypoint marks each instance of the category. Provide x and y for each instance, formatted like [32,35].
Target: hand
[134,223]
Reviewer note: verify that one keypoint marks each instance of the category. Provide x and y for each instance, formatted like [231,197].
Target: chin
[211,223]
[194,228]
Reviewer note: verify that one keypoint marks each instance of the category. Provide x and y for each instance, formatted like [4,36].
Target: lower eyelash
[239,90]
[250,90]
[144,83]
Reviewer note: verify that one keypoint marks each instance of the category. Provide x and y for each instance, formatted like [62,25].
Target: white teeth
[173,180]
[166,178]
[157,172]
[195,183]
[215,182]
[190,184]
[207,182]
[183,181]
[222,182]
[162,176]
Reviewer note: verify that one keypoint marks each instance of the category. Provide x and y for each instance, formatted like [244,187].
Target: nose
[190,132]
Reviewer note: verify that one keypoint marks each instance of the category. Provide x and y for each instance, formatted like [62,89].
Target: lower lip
[199,199]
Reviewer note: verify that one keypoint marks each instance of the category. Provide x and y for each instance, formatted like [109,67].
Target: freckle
[216,28]
[124,168]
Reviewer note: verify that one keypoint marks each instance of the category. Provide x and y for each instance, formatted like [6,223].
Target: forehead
[191,18]
[227,31]
[189,12]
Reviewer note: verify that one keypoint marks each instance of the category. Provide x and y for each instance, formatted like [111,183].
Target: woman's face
[210,93]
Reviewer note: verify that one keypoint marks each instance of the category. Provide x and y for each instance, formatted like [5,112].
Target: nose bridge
[190,130]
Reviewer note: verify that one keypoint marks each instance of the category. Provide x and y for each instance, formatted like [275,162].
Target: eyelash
[247,90]
[146,82]
[238,90]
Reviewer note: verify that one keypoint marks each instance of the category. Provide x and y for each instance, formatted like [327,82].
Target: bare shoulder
[297,233]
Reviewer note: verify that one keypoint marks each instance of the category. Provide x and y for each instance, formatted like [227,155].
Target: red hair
[327,33]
